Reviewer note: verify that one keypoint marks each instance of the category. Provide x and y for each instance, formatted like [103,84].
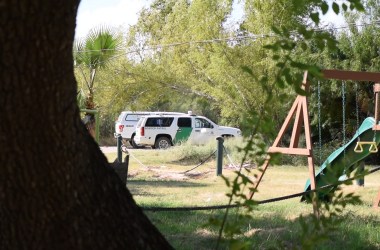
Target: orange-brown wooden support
[299,110]
[376,204]
[376,90]
[360,76]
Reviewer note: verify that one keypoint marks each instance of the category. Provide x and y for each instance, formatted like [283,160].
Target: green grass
[156,178]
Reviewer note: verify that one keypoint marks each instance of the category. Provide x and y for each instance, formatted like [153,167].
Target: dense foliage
[212,57]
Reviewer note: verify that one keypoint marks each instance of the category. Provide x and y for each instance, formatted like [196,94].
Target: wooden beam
[376,90]
[286,123]
[351,75]
[290,151]
[377,201]
[294,140]
[376,127]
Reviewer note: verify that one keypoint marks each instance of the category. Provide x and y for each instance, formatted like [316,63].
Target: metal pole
[97,126]
[376,90]
[219,156]
[118,145]
[360,169]
[126,164]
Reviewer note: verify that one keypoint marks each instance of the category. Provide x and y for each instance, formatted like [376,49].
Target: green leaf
[308,34]
[324,7]
[247,69]
[300,91]
[299,65]
[332,44]
[335,8]
[344,7]
[286,74]
[226,180]
[280,64]
[285,31]
[280,83]
[276,30]
[315,17]
[314,70]
[250,203]
[304,46]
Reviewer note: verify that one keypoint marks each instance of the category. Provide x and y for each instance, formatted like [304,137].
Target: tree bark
[57,190]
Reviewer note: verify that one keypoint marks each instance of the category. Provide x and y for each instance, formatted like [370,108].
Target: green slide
[344,159]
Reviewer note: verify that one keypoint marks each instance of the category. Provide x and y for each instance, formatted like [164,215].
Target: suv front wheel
[162,143]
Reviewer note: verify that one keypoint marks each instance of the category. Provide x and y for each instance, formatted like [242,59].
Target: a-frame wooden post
[376,90]
[299,110]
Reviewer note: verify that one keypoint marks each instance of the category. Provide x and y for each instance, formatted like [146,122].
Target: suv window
[159,122]
[140,122]
[184,122]
[202,123]
[132,117]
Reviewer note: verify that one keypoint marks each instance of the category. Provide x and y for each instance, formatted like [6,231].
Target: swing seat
[373,148]
[359,146]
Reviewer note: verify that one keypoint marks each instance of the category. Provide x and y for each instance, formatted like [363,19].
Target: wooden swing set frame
[299,111]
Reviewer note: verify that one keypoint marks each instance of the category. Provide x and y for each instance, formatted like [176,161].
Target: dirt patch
[162,173]
[132,174]
[198,175]
[205,233]
[170,176]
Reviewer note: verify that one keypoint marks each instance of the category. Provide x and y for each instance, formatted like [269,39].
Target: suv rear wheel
[133,143]
[162,142]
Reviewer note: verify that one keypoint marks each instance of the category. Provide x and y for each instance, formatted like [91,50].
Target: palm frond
[98,47]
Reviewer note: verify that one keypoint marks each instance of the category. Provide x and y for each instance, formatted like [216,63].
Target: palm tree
[92,53]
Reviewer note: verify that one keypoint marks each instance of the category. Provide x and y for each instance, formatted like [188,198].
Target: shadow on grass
[140,187]
[188,230]
[190,162]
[165,183]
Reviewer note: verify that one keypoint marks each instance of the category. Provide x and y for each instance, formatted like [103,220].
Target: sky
[113,13]
[123,13]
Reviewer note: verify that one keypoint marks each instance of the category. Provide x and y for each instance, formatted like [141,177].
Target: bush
[192,154]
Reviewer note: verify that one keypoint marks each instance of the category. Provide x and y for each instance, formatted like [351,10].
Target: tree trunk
[57,190]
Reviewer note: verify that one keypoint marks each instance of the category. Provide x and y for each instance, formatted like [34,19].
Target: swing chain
[357,104]
[319,122]
[344,111]
[357,108]
[359,145]
[344,123]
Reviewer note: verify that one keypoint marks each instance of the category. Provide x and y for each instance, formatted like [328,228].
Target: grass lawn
[156,178]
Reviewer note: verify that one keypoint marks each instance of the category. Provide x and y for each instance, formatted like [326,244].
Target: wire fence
[286,197]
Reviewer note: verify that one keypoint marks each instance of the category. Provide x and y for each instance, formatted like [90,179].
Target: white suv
[125,125]
[162,132]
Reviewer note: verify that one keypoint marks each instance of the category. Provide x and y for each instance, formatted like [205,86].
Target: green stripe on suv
[182,134]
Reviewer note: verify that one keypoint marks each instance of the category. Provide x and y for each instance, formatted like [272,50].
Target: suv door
[204,131]
[184,129]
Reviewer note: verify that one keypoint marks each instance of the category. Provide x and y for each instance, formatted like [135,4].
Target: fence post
[360,169]
[219,156]
[126,165]
[118,145]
